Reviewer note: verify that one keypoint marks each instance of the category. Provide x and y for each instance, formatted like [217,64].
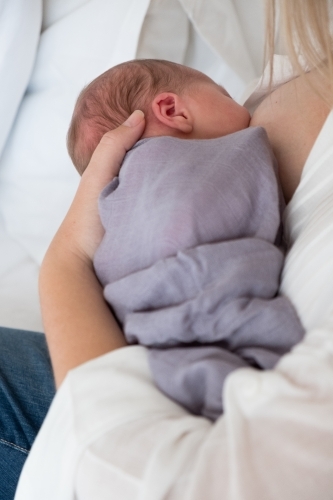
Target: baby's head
[177,101]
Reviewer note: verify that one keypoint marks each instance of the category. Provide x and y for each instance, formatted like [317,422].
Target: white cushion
[19,301]
[20,22]
[55,10]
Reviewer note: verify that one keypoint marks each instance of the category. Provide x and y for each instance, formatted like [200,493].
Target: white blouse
[111,434]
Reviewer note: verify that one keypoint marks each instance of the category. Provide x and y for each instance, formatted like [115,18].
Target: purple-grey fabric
[191,260]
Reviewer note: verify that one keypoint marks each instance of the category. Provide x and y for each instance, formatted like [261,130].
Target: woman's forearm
[78,323]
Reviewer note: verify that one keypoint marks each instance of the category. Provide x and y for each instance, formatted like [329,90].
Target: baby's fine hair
[109,100]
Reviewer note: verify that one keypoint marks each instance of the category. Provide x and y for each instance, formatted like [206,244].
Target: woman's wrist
[78,323]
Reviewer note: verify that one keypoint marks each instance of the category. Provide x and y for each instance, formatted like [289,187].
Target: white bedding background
[48,52]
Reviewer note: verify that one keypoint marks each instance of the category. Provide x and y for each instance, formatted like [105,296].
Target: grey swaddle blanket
[190,261]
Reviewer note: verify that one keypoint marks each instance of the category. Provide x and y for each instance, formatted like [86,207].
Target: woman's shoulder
[293,116]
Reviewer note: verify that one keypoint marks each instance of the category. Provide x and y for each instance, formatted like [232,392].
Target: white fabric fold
[234,29]
[20,22]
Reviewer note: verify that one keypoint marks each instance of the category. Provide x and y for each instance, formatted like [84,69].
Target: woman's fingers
[81,230]
[107,158]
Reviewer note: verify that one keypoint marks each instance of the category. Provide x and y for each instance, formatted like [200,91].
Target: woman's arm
[78,323]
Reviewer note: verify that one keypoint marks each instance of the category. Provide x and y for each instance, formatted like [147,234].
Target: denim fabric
[26,392]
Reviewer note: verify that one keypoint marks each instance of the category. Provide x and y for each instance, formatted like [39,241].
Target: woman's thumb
[109,154]
[135,119]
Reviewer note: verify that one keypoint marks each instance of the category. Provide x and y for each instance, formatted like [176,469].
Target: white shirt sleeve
[274,441]
[111,434]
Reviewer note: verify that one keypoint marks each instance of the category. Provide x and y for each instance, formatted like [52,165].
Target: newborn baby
[191,257]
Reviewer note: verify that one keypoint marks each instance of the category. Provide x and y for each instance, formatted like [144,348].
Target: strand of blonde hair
[306,32]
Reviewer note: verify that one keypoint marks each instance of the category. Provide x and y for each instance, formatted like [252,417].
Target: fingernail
[136,117]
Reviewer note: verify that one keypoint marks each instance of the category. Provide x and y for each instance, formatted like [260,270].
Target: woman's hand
[78,323]
[81,229]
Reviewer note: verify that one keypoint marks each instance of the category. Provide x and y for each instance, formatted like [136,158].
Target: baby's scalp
[109,99]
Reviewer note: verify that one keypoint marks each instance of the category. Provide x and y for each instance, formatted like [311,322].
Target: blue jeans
[26,392]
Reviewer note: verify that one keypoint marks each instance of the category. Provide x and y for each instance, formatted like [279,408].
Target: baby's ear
[171,110]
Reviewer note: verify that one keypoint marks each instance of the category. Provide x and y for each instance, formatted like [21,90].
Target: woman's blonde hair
[306,31]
